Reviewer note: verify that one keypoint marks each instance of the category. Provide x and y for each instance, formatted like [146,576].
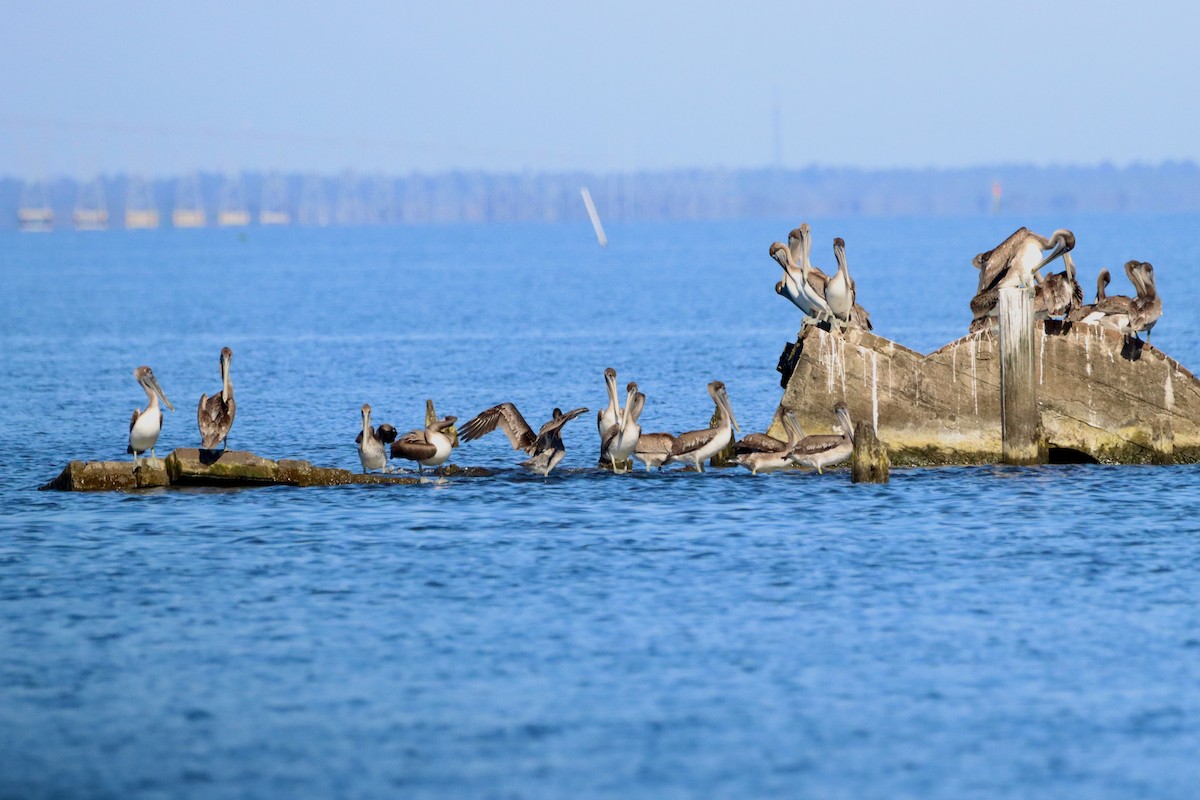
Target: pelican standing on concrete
[825,450]
[546,448]
[621,440]
[1147,307]
[1059,293]
[1115,311]
[371,442]
[145,425]
[699,446]
[215,414]
[1081,313]
[429,447]
[840,292]
[1014,262]
[607,417]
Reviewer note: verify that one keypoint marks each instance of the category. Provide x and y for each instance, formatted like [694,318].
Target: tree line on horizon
[253,198]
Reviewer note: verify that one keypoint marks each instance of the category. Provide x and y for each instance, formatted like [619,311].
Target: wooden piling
[1020,421]
[869,462]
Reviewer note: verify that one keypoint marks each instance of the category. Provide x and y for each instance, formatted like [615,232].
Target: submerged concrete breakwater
[189,467]
[1101,396]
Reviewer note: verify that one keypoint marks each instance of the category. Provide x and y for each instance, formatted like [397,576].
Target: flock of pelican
[830,300]
[1018,261]
[621,437]
[214,415]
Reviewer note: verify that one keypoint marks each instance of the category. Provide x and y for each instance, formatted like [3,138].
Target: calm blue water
[981,632]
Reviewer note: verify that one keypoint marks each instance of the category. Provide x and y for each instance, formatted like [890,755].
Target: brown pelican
[802,283]
[1147,307]
[764,442]
[1115,311]
[145,425]
[607,417]
[546,448]
[1079,313]
[823,450]
[779,453]
[654,449]
[699,446]
[1014,262]
[429,447]
[370,443]
[215,414]
[1059,293]
[840,292]
[621,439]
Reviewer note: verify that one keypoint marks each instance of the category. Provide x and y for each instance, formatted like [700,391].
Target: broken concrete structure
[1100,396]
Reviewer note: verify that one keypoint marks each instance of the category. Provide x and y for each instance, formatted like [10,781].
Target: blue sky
[161,88]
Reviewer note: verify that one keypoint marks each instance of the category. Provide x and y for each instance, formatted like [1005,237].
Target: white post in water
[1020,422]
[593,216]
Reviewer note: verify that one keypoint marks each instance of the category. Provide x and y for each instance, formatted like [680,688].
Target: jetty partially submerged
[1097,395]
[192,467]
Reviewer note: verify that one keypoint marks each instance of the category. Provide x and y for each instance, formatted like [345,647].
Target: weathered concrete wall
[1118,401]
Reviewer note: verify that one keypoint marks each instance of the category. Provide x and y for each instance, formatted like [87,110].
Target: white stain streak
[974,377]
[875,390]
[1087,354]
[1042,359]
[1169,391]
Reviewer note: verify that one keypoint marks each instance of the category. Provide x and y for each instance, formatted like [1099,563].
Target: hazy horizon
[542,87]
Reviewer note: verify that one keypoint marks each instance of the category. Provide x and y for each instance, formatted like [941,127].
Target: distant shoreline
[256,198]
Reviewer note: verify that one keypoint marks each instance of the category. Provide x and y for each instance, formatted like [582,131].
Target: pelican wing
[759,443]
[993,265]
[860,317]
[655,443]
[610,436]
[506,415]
[413,446]
[556,424]
[816,444]
[133,420]
[818,280]
[214,417]
[1114,304]
[692,440]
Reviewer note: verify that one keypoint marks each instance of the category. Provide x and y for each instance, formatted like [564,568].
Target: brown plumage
[429,446]
[506,415]
[1079,313]
[765,442]
[1059,294]
[546,448]
[215,414]
[1014,262]
[653,449]
[1147,307]
[1116,310]
[826,449]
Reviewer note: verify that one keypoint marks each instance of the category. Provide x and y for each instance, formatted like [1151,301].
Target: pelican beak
[729,411]
[1061,248]
[158,390]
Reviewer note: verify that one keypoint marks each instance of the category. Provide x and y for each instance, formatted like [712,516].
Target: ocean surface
[960,632]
